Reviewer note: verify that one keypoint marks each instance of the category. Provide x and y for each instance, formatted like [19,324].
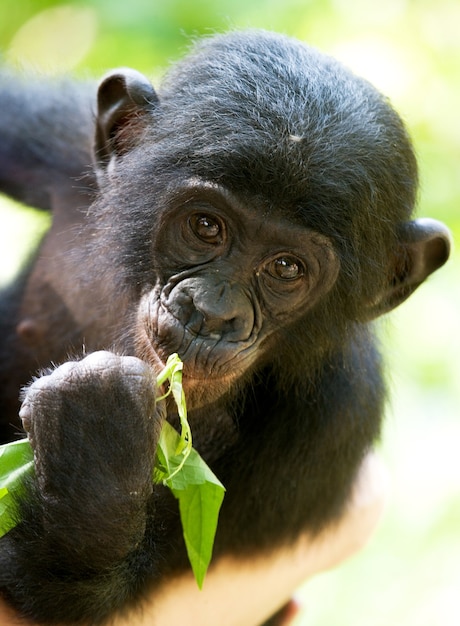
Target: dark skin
[253,216]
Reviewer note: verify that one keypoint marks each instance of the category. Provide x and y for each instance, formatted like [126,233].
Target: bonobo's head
[259,204]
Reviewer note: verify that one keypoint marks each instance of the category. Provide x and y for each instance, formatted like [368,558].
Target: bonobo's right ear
[124,95]
[423,247]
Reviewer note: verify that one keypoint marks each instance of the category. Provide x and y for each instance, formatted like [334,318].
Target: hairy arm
[46,131]
[79,553]
[246,592]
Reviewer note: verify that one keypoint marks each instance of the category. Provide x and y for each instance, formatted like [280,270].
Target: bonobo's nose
[226,311]
[213,307]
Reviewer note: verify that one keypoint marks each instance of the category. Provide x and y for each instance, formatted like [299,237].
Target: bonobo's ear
[424,246]
[124,95]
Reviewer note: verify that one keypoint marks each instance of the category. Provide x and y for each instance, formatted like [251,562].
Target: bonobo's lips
[201,387]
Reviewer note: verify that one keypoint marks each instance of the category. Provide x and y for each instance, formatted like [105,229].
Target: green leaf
[12,455]
[16,461]
[200,495]
[199,506]
[173,372]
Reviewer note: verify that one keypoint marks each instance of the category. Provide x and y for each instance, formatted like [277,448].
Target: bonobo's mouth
[205,356]
[201,387]
[211,365]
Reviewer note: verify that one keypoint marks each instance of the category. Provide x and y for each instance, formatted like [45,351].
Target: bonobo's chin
[200,392]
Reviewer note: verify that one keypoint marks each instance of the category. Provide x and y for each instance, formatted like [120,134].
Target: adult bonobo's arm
[46,136]
[46,131]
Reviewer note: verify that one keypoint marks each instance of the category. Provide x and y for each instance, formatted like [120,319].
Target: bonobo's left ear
[424,246]
[124,95]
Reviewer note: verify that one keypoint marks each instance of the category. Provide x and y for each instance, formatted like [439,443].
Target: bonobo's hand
[94,429]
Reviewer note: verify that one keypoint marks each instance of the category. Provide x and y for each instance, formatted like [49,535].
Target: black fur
[293,157]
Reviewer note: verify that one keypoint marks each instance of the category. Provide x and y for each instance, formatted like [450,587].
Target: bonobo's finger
[101,364]
[96,375]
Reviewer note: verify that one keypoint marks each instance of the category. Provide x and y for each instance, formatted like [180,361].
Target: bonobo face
[229,276]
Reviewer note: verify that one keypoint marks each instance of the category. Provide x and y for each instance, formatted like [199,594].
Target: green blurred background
[409,575]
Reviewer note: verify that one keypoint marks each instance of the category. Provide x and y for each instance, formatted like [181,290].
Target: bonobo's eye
[285,268]
[208,229]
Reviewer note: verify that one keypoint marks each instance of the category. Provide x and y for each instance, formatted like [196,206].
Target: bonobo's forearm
[73,558]
[47,583]
[39,149]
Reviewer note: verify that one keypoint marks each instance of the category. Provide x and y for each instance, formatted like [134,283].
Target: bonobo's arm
[77,556]
[46,134]
[243,592]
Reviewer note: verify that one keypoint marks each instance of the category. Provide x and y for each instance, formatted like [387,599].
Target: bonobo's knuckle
[102,359]
[107,361]
[112,369]
[102,382]
[102,366]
